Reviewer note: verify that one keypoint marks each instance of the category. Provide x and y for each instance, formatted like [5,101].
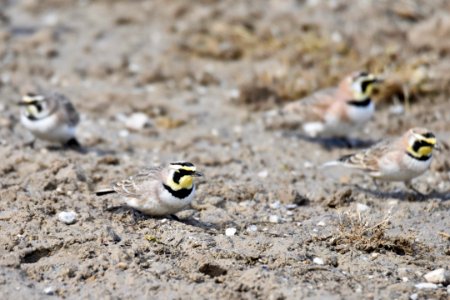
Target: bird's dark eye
[428,135]
[363,74]
[38,107]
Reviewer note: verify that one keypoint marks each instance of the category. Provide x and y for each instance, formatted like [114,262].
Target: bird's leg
[30,143]
[376,184]
[409,185]
[175,217]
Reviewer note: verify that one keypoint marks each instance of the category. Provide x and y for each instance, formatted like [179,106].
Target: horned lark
[401,159]
[158,191]
[50,116]
[332,112]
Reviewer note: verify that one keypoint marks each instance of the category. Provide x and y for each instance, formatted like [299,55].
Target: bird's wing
[138,184]
[368,160]
[71,113]
[313,107]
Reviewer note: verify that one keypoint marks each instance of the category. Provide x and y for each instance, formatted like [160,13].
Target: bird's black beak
[198,174]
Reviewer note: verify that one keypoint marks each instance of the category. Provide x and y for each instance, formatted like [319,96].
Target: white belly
[167,205]
[335,126]
[361,115]
[49,129]
[409,169]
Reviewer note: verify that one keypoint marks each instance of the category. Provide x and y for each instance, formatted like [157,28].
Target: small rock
[274,219]
[263,174]
[426,285]
[122,265]
[252,228]
[360,207]
[414,296]
[275,205]
[123,133]
[137,121]
[438,276]
[308,165]
[291,206]
[67,217]
[230,231]
[49,290]
[397,109]
[318,261]
[321,224]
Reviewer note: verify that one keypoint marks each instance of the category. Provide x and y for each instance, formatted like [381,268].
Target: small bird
[158,191]
[331,112]
[401,159]
[51,117]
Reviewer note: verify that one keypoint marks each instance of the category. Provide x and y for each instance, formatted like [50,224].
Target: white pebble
[49,290]
[252,228]
[274,219]
[426,285]
[438,276]
[308,165]
[321,224]
[123,133]
[414,296]
[397,109]
[318,261]
[137,121]
[230,231]
[234,94]
[275,205]
[263,174]
[67,217]
[291,206]
[360,207]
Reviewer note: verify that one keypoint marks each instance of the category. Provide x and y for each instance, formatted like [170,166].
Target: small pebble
[414,296]
[122,265]
[360,207]
[230,231]
[124,133]
[308,165]
[49,290]
[318,261]
[67,217]
[397,109]
[252,228]
[291,206]
[426,285]
[137,121]
[321,224]
[274,219]
[275,205]
[263,174]
[438,276]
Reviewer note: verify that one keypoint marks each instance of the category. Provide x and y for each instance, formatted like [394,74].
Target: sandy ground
[204,72]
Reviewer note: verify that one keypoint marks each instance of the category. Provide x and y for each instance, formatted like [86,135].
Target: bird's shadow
[410,196]
[81,150]
[138,216]
[330,143]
